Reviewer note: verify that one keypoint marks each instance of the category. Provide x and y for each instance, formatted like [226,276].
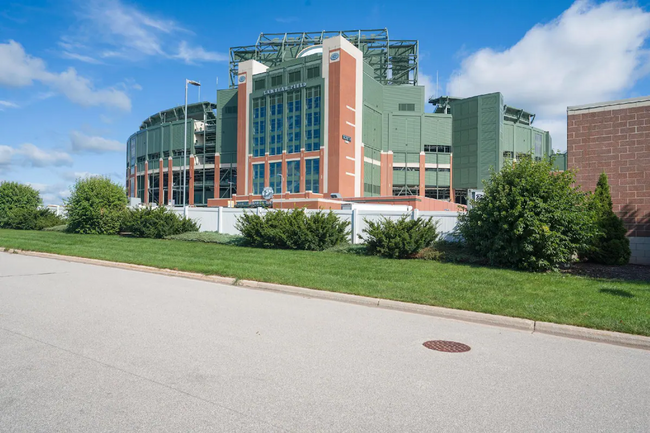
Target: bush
[293,230]
[399,239]
[610,246]
[96,206]
[156,223]
[529,218]
[17,198]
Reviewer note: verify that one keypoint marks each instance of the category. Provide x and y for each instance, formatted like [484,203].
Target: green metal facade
[486,132]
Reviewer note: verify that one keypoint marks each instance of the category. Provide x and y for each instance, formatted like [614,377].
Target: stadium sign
[285,88]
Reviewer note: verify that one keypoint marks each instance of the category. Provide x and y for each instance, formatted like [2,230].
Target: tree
[610,246]
[96,206]
[529,217]
[16,197]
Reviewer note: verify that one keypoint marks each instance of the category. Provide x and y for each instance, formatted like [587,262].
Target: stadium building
[326,118]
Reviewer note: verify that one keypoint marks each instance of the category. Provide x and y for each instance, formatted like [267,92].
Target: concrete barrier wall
[223,220]
[640,247]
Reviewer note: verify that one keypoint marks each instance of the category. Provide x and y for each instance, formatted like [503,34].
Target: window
[276,124]
[313,72]
[294,76]
[259,84]
[437,193]
[258,178]
[293,176]
[507,155]
[312,119]
[434,170]
[259,127]
[294,125]
[275,177]
[406,107]
[434,148]
[312,174]
[230,109]
[276,80]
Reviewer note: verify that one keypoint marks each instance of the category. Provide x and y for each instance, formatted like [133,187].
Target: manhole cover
[446,346]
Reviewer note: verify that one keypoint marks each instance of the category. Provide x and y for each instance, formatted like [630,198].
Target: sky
[77,78]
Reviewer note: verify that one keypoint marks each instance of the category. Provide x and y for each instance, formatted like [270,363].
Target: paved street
[87,348]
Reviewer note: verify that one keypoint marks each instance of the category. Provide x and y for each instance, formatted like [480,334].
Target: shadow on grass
[617,292]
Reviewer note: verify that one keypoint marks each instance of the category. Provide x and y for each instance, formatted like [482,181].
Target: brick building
[614,137]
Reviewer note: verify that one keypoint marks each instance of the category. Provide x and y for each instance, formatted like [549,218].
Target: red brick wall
[617,142]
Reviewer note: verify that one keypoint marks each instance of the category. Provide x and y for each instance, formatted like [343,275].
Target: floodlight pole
[194,83]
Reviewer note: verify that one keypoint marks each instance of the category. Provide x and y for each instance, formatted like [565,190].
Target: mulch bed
[627,272]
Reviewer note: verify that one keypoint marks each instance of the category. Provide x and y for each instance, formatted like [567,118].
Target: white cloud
[72,176]
[80,57]
[7,104]
[590,53]
[429,89]
[51,193]
[36,157]
[29,155]
[19,69]
[6,153]
[84,143]
[197,54]
[117,30]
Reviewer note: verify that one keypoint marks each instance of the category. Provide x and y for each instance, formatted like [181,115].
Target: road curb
[569,331]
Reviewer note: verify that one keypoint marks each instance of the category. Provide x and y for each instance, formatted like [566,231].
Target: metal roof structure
[393,61]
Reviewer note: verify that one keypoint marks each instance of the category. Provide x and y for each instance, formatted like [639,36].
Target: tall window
[312,119]
[259,126]
[258,178]
[312,172]
[294,107]
[276,126]
[275,177]
[293,176]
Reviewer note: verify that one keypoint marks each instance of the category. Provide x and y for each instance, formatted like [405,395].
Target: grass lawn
[594,303]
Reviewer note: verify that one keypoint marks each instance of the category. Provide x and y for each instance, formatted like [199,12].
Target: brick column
[422,174]
[250,176]
[170,179]
[217,175]
[267,174]
[303,170]
[386,178]
[191,179]
[146,181]
[161,183]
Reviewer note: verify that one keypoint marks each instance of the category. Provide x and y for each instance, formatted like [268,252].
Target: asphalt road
[88,348]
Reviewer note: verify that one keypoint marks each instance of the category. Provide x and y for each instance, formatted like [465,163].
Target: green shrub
[96,206]
[208,237]
[293,229]
[399,239]
[156,223]
[18,198]
[430,253]
[529,218]
[31,219]
[610,246]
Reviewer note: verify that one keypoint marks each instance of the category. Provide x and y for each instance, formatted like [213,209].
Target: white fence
[223,219]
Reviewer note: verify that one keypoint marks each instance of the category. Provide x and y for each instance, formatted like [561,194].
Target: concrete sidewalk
[90,348]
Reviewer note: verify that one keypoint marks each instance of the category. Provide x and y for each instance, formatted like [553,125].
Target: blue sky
[78,77]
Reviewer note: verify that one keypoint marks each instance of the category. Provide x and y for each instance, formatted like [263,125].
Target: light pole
[194,83]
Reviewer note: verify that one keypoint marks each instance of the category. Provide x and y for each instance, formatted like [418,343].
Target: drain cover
[446,346]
